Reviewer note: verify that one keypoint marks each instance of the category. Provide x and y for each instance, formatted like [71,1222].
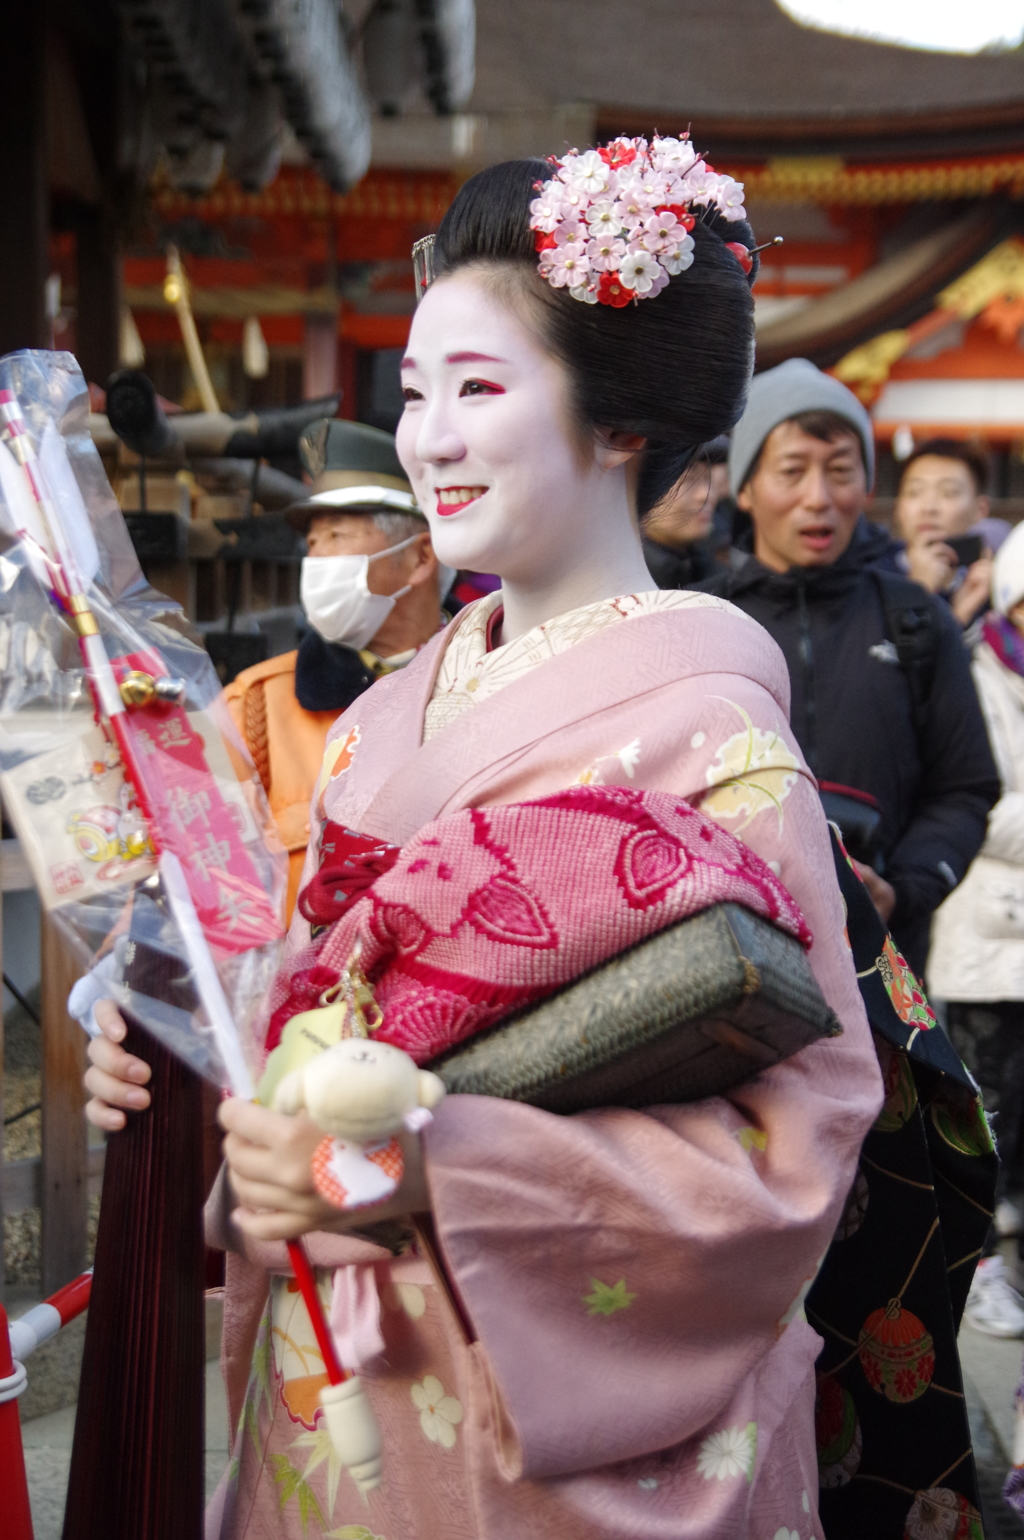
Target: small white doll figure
[361,1092]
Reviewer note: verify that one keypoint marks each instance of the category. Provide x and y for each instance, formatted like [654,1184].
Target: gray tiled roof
[715,59]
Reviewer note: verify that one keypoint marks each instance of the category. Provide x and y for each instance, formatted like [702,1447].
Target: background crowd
[906,658]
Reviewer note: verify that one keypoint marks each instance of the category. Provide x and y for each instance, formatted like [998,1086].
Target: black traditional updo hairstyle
[674,368]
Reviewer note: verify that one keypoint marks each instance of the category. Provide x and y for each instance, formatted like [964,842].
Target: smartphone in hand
[968,548]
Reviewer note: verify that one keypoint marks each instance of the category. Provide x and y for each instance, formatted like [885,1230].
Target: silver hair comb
[423,264]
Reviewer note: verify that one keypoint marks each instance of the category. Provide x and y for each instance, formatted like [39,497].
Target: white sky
[952,26]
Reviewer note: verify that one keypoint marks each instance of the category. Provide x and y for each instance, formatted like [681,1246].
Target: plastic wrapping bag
[145,826]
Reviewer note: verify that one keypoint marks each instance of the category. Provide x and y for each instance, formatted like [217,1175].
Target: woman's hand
[115,1079]
[269,1158]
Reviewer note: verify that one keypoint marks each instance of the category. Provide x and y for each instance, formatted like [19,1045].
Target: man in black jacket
[883,704]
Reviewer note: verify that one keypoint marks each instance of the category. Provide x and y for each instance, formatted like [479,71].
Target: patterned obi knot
[349,864]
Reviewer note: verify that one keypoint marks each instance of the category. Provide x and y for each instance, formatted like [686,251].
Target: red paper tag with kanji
[187,814]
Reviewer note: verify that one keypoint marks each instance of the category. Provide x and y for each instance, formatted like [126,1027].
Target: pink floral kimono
[601,1335]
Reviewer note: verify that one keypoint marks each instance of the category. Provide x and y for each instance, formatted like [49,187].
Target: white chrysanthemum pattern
[729,1453]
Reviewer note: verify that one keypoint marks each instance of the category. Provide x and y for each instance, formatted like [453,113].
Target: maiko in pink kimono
[594,1328]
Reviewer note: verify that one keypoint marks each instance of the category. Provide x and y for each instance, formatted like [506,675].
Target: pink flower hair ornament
[613,225]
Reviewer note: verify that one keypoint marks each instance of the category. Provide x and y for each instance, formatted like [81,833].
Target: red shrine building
[894,175]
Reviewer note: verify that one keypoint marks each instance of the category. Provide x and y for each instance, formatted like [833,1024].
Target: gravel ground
[22,1083]
[22,1088]
[54,1368]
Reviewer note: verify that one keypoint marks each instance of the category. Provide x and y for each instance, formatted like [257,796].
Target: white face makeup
[486,437]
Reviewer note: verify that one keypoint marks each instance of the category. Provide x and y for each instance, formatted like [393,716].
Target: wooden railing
[59,1181]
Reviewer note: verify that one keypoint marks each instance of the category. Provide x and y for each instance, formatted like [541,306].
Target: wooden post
[65,1180]
[24,227]
[97,237]
[98,327]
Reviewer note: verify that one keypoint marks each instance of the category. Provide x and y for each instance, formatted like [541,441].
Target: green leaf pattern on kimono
[319,1442]
[259,1391]
[292,1483]
[251,1425]
[606,1298]
[262,1361]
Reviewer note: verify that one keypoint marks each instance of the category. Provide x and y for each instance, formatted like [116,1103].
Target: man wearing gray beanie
[780,395]
[883,703]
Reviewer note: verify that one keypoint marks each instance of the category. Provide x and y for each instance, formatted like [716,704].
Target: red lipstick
[453,499]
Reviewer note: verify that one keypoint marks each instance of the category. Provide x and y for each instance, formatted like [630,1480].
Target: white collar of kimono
[468,673]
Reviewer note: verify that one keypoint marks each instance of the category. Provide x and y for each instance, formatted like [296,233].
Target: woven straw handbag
[691,1012]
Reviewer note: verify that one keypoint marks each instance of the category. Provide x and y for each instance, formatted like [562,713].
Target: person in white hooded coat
[976,961]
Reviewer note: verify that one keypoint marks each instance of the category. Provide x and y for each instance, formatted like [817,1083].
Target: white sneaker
[993,1305]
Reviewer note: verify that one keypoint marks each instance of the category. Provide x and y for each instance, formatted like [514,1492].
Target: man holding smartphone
[941,499]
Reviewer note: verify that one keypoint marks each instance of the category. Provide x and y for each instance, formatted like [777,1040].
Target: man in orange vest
[371,589]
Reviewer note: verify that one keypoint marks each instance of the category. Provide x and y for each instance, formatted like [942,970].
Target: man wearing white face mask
[371,588]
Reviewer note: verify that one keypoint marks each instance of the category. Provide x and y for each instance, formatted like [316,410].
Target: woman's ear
[614,448]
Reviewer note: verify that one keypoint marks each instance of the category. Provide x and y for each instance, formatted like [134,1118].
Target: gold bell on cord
[346,1009]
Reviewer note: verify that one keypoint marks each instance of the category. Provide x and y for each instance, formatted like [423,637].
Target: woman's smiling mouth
[451,499]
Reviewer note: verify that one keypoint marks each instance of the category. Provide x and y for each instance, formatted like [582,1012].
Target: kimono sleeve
[628,1271]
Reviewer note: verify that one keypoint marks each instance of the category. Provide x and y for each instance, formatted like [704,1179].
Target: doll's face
[487,437]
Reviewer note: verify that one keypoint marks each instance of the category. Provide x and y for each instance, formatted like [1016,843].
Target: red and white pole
[17,1513]
[17,1340]
[44,1321]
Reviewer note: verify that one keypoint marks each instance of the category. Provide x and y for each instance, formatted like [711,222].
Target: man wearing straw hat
[371,589]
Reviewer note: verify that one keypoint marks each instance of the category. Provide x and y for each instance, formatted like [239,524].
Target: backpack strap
[910,624]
